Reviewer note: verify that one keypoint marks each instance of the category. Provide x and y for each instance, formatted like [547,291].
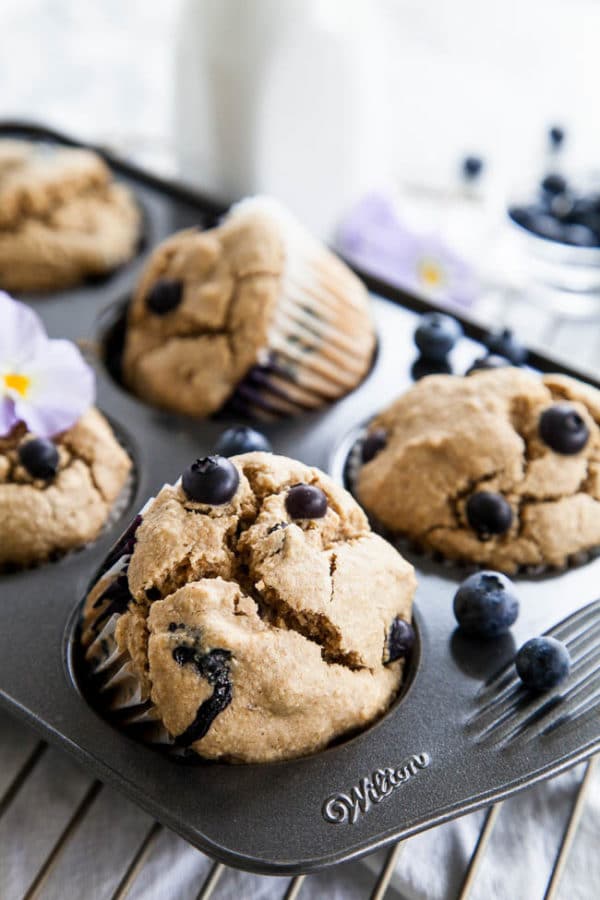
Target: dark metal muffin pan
[463,735]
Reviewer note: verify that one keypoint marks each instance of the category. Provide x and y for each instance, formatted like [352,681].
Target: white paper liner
[321,339]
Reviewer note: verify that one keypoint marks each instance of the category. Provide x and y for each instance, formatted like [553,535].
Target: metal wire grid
[294,886]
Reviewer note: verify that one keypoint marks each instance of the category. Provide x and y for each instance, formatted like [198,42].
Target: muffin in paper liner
[44,519]
[257,316]
[63,218]
[483,434]
[232,665]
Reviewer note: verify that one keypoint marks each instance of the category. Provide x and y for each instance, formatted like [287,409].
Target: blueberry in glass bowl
[556,226]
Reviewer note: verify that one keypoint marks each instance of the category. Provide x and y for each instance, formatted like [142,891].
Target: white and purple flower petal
[61,389]
[374,238]
[22,334]
[44,383]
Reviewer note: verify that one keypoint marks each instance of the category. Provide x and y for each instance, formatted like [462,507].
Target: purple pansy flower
[375,239]
[44,383]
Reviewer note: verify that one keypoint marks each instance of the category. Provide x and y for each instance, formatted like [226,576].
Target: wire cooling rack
[290,888]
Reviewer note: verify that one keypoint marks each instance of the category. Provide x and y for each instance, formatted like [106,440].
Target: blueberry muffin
[249,614]
[62,217]
[500,468]
[254,313]
[57,494]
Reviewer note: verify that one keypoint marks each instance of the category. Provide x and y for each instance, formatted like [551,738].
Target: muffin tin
[462,735]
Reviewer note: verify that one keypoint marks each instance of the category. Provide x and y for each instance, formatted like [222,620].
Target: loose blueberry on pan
[436,335]
[489,514]
[486,605]
[39,457]
[563,429]
[542,663]
[164,296]
[242,439]
[401,639]
[306,501]
[212,480]
[490,361]
[214,667]
[423,367]
[505,344]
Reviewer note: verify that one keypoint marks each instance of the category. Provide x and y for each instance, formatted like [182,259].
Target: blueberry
[586,211]
[563,429]
[489,514]
[562,206]
[213,480]
[305,501]
[164,296]
[504,343]
[593,202]
[241,439]
[436,335]
[374,442]
[491,361]
[556,136]
[39,457]
[542,663]
[401,639]
[472,167]
[522,215]
[579,236]
[423,367]
[587,204]
[554,183]
[486,604]
[215,668]
[546,226]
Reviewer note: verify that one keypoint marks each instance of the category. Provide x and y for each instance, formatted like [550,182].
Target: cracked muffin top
[255,313]
[500,468]
[57,494]
[258,614]
[62,217]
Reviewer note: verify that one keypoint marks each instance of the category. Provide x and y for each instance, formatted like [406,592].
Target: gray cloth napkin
[516,866]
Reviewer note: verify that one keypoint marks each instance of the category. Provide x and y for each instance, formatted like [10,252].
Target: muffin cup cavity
[218,616]
[345,465]
[111,328]
[271,390]
[118,509]
[106,678]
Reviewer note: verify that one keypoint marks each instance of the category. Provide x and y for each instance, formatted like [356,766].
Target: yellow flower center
[430,273]
[18,383]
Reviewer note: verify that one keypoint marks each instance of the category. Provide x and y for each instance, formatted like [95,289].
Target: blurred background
[400,129]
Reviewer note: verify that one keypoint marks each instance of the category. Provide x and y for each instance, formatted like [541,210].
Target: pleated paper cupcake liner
[321,339]
[113,684]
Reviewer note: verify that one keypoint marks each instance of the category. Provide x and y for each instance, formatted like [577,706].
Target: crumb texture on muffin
[62,218]
[43,519]
[254,636]
[449,438]
[263,317]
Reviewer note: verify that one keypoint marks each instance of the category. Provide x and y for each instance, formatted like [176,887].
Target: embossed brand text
[344,809]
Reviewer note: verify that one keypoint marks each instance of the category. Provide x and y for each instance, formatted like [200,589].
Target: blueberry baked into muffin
[62,217]
[500,468]
[254,313]
[248,614]
[61,467]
